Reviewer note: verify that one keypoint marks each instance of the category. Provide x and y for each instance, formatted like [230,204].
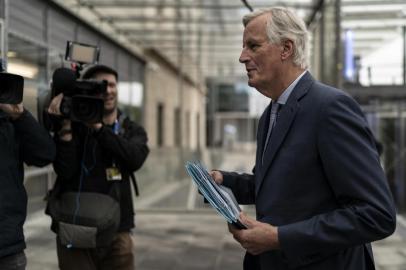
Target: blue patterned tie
[272,122]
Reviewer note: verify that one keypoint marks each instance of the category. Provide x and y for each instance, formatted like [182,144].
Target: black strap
[123,120]
[134,184]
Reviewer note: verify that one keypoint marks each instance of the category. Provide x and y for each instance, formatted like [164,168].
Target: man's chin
[109,110]
[251,83]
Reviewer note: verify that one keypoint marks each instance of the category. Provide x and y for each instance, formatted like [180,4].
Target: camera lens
[87,109]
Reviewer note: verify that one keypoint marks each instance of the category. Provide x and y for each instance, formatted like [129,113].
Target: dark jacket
[321,183]
[22,140]
[97,151]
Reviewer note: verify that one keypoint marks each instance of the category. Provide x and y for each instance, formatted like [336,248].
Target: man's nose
[243,56]
[109,90]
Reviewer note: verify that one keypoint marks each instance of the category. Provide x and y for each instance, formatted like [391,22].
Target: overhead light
[349,56]
[23,69]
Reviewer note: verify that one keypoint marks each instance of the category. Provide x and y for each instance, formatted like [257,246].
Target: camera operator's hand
[96,126]
[13,110]
[54,106]
[65,133]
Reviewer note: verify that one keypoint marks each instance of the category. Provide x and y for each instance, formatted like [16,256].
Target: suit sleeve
[242,185]
[353,171]
[36,146]
[130,150]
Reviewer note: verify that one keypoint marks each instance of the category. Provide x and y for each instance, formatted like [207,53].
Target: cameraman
[22,139]
[115,144]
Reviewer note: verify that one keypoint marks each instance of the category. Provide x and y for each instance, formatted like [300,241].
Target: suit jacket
[321,183]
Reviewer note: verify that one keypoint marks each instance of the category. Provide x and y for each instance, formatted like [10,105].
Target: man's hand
[96,126]
[217,176]
[258,238]
[65,133]
[54,106]
[13,110]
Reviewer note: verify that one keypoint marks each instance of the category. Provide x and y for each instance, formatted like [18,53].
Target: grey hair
[283,24]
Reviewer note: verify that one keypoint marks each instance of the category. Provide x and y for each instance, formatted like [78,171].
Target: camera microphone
[63,81]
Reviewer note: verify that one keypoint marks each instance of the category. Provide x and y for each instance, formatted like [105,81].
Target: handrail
[38,171]
[48,171]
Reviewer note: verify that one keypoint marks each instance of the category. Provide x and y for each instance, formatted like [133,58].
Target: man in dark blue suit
[320,192]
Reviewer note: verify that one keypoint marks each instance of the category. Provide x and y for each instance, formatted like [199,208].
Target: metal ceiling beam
[194,47]
[377,39]
[360,16]
[372,32]
[189,40]
[226,53]
[372,23]
[138,19]
[247,5]
[170,32]
[367,27]
[315,10]
[237,43]
[173,5]
[375,29]
[206,51]
[371,3]
[146,19]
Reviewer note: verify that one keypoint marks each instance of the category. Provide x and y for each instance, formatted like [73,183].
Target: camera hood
[11,88]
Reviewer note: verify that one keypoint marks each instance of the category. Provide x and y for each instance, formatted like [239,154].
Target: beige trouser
[119,256]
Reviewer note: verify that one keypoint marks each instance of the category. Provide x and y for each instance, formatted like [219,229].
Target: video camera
[11,86]
[83,99]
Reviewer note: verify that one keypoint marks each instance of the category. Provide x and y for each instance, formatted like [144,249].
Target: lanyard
[116,127]
[116,130]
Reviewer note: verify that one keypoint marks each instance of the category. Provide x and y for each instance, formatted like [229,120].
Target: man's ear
[287,49]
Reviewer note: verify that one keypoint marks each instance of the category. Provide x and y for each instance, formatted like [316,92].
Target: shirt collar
[286,93]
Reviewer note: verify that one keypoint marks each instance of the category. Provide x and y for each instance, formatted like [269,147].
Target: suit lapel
[284,121]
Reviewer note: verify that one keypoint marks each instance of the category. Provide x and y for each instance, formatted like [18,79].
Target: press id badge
[113,174]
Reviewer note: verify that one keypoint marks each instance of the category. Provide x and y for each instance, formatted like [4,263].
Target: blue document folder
[220,197]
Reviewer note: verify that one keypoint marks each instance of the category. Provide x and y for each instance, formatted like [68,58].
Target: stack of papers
[220,197]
